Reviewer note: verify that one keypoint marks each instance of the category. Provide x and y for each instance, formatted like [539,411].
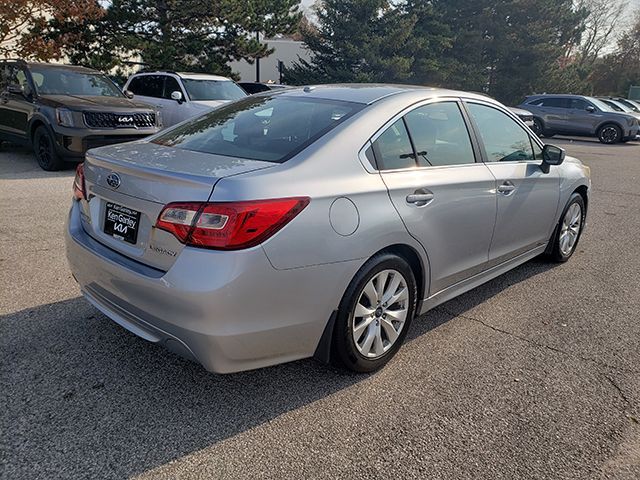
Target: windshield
[62,81]
[267,128]
[614,105]
[622,106]
[212,89]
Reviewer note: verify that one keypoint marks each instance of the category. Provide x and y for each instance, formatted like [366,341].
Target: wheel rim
[380,313]
[609,134]
[570,230]
[44,150]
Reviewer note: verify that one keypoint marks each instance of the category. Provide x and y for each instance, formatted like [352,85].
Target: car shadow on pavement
[82,397]
[18,162]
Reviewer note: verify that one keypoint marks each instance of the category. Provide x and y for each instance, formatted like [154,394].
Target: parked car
[581,116]
[317,221]
[61,111]
[632,104]
[257,87]
[617,106]
[181,96]
[525,115]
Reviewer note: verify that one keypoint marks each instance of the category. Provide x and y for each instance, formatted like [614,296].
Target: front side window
[268,128]
[579,104]
[440,135]
[504,140]
[147,86]
[62,81]
[393,148]
[171,85]
[212,90]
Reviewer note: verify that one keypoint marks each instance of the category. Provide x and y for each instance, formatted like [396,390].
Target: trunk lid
[128,185]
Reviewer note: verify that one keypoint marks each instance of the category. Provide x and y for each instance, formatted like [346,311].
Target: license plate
[121,222]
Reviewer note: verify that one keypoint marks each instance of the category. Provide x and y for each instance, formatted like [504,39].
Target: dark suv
[580,115]
[61,111]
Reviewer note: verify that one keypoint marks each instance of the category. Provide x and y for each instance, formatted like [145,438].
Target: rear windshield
[269,128]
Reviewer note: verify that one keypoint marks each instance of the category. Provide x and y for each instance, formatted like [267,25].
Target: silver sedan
[316,222]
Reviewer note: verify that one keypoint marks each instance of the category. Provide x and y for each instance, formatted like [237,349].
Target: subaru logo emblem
[113,180]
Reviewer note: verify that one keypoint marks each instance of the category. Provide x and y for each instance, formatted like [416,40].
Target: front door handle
[506,188]
[420,197]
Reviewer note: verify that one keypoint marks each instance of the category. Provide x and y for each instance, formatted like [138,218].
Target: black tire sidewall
[345,351]
[556,254]
[55,162]
[538,127]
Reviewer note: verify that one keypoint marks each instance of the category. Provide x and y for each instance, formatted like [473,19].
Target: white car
[180,96]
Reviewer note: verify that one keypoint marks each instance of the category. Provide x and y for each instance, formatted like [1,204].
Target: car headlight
[64,117]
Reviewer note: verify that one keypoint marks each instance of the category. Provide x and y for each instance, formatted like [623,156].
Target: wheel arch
[610,122]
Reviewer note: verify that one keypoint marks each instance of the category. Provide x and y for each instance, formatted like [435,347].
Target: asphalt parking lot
[533,375]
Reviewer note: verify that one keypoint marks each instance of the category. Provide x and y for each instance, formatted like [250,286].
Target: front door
[527,198]
[445,198]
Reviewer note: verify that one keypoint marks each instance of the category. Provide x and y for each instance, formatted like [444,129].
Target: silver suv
[581,116]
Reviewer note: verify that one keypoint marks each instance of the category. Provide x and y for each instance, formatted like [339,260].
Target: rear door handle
[420,197]
[506,188]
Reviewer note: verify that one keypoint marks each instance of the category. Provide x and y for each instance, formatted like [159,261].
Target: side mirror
[128,94]
[16,89]
[177,96]
[551,155]
[590,108]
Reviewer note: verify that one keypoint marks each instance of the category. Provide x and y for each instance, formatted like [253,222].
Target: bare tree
[604,19]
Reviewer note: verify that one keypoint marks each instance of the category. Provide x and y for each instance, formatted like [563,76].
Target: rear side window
[555,102]
[147,85]
[393,148]
[268,128]
[440,135]
[504,140]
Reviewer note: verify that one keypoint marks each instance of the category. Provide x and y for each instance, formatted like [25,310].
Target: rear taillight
[229,225]
[79,191]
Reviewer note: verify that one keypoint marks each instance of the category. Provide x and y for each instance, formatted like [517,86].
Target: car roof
[58,66]
[368,93]
[564,95]
[187,75]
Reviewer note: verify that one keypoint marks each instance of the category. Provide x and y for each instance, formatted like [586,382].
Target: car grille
[119,120]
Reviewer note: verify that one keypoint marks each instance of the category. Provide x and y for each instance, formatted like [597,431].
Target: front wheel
[609,134]
[567,233]
[375,313]
[45,150]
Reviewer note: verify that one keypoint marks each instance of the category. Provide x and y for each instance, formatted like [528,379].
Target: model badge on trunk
[113,180]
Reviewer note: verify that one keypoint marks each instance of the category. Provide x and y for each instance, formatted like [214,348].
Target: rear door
[527,198]
[445,198]
[555,112]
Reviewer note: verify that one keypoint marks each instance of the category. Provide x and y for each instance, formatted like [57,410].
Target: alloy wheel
[380,313]
[570,229]
[609,134]
[44,150]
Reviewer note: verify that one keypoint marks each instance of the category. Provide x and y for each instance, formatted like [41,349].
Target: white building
[285,50]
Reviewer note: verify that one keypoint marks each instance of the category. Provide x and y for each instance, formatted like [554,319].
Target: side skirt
[478,279]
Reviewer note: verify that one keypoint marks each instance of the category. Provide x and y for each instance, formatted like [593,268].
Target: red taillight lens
[79,191]
[229,225]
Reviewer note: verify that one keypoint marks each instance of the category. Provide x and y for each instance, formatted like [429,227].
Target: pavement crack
[618,389]
[541,345]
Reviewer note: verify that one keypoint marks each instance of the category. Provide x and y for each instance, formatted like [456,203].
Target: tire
[559,250]
[365,343]
[538,128]
[45,150]
[609,134]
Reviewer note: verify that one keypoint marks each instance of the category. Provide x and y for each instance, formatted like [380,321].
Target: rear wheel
[609,134]
[567,233]
[45,150]
[375,313]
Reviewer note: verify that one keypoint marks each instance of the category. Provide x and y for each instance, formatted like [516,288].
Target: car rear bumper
[230,311]
[73,143]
